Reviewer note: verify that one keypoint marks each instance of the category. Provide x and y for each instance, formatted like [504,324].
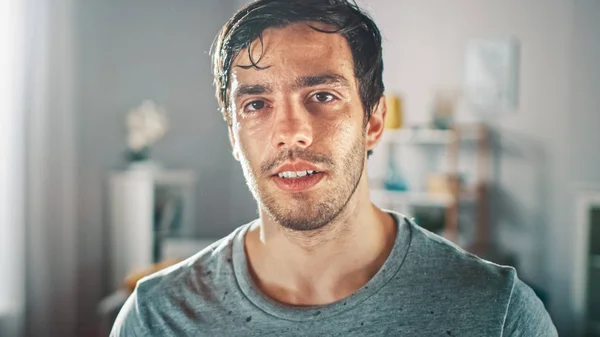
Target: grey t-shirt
[426,287]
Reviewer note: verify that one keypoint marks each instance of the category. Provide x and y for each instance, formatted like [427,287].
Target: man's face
[297,125]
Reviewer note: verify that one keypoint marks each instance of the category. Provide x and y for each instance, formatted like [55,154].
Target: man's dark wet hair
[345,18]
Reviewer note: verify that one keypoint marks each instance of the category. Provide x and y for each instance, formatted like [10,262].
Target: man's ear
[376,124]
[233,144]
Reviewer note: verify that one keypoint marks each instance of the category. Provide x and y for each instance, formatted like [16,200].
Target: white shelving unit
[133,204]
[474,193]
[131,200]
[386,197]
[418,198]
[428,136]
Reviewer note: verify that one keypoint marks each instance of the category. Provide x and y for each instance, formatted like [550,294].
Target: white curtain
[37,169]
[12,220]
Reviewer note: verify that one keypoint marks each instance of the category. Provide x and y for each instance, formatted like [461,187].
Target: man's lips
[297,166]
[298,184]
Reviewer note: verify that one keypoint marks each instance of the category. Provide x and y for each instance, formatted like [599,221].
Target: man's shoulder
[438,273]
[193,282]
[455,266]
[453,278]
[491,290]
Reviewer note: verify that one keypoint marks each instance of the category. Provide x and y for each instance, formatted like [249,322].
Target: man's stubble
[307,211]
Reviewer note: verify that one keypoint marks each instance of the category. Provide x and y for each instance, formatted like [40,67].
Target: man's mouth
[296,174]
[297,181]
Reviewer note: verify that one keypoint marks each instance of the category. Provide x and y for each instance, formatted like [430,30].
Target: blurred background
[113,155]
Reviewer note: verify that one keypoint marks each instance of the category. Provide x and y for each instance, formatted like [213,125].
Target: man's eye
[254,105]
[322,97]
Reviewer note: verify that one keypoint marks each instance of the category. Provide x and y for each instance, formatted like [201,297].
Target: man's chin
[299,219]
[299,211]
[301,225]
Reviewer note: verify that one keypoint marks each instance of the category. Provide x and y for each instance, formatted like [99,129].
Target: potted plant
[146,124]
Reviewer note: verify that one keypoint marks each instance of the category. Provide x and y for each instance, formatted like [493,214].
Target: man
[300,85]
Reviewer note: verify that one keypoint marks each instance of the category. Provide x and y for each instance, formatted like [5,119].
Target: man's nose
[292,127]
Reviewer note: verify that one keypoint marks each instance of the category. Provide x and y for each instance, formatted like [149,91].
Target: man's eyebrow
[301,82]
[311,81]
[251,89]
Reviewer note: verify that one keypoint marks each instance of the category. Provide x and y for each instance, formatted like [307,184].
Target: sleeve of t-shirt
[129,322]
[526,315]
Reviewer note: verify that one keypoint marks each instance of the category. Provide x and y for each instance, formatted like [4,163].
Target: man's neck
[325,265]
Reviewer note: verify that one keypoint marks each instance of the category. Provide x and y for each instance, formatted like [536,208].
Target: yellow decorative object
[393,118]
[439,183]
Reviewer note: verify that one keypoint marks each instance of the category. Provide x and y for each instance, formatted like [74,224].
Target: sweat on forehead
[301,36]
[294,56]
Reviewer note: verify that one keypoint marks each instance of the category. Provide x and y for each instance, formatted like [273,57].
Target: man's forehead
[301,36]
[293,51]
[295,44]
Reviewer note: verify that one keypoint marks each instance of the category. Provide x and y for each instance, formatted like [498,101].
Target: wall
[544,146]
[131,51]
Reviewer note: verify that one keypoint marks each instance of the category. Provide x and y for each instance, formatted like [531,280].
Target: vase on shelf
[394,179]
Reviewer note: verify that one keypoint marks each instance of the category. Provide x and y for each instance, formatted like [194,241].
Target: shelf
[424,199]
[427,136]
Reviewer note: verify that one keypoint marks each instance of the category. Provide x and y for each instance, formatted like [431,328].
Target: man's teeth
[295,174]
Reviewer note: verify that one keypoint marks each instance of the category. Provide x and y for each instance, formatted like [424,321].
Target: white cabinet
[145,206]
